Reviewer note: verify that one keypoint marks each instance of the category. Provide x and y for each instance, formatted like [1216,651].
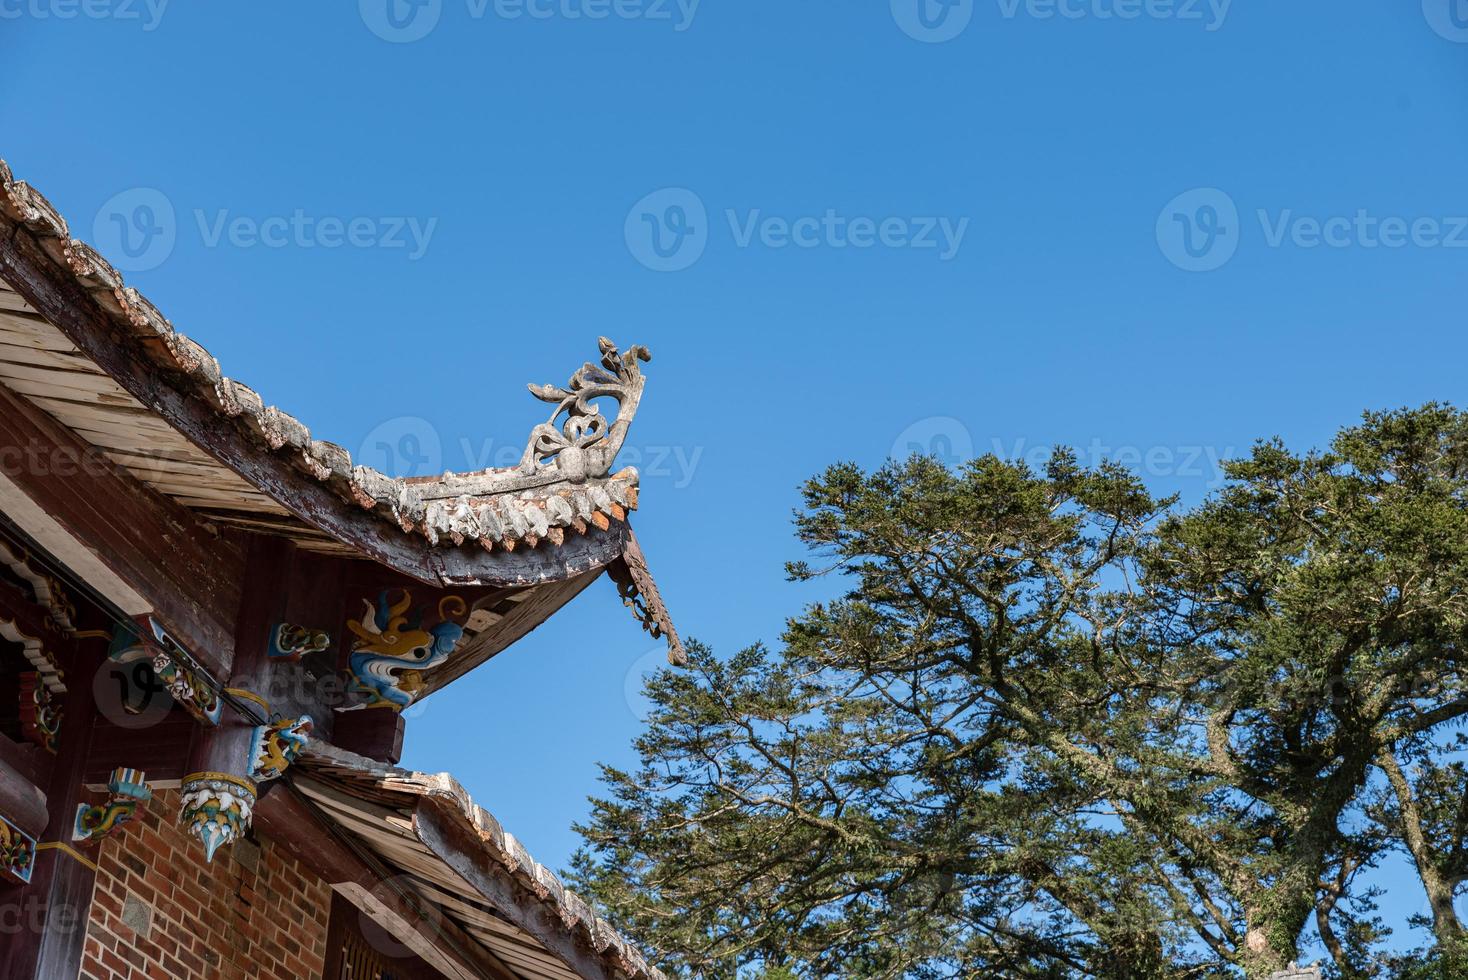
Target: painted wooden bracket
[291,642]
[274,747]
[392,650]
[129,789]
[217,808]
[40,712]
[174,667]
[17,853]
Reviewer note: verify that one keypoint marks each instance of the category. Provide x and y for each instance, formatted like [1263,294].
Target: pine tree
[1056,727]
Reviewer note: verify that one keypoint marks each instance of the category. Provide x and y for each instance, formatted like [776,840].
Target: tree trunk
[1278,915]
[1257,959]
[1446,926]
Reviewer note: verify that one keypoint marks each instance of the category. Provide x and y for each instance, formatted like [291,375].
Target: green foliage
[1055,727]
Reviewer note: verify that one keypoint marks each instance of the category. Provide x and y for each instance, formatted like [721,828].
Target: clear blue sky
[1085,166]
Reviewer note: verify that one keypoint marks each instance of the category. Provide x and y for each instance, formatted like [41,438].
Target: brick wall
[159,912]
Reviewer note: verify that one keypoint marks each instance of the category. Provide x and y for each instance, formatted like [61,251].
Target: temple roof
[184,482]
[427,832]
[99,357]
[562,485]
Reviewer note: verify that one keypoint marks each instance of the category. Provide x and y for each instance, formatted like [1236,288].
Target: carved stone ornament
[185,684]
[216,808]
[586,444]
[577,443]
[40,712]
[274,747]
[129,790]
[392,650]
[17,853]
[291,642]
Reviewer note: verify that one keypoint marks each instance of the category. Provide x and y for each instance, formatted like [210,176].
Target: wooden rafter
[189,572]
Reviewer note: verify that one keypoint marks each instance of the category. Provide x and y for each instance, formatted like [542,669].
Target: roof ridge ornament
[585,445]
[575,445]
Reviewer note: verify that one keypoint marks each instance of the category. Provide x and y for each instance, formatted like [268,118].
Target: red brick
[218,920]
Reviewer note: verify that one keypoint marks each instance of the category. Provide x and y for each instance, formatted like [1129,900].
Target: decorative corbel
[46,587]
[174,667]
[40,712]
[291,642]
[38,642]
[216,808]
[274,747]
[17,853]
[389,657]
[128,789]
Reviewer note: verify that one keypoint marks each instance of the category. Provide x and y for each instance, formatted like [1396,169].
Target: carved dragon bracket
[393,648]
[274,747]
